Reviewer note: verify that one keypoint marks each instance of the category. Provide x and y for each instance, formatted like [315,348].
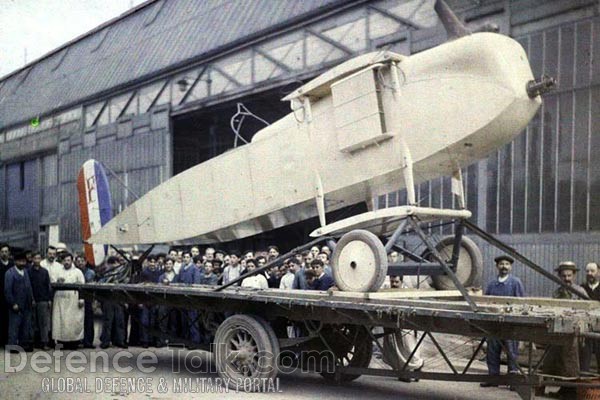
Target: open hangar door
[203,134]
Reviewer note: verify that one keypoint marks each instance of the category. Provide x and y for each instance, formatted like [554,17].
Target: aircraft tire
[470,263]
[359,262]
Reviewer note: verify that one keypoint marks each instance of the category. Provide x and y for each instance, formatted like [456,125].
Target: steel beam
[397,18]
[415,269]
[521,258]
[332,42]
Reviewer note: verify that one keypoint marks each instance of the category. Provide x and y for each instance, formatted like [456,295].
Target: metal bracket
[457,187]
[320,199]
[407,172]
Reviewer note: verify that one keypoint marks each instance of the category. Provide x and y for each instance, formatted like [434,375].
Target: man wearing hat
[566,271]
[564,360]
[505,284]
[19,299]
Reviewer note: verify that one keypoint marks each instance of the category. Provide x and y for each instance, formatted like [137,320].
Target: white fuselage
[450,106]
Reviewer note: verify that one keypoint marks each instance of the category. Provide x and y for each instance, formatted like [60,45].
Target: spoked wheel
[351,345]
[470,263]
[359,262]
[246,352]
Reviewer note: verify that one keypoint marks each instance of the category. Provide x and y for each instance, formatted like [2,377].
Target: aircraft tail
[94,207]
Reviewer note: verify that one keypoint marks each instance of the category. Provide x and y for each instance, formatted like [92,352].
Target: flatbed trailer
[256,333]
[343,326]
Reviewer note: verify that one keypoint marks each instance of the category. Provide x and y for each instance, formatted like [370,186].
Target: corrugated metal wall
[49,188]
[3,196]
[546,180]
[22,195]
[547,251]
[540,193]
[550,180]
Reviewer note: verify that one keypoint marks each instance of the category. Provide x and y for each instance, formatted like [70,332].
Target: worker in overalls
[505,284]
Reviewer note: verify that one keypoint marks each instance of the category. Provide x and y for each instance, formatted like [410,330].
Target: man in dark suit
[589,346]
[19,298]
[323,281]
[6,263]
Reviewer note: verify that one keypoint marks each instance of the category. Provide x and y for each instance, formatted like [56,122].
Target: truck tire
[246,352]
[352,346]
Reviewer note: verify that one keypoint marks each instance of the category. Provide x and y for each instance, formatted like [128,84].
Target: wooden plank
[381,295]
[412,294]
[540,302]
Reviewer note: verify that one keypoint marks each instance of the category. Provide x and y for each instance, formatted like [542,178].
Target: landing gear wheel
[470,263]
[359,262]
[351,346]
[246,352]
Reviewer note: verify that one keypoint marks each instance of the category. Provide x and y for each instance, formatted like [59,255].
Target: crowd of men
[567,360]
[31,306]
[35,315]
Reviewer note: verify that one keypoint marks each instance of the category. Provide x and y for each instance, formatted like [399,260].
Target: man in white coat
[257,281]
[67,308]
[50,262]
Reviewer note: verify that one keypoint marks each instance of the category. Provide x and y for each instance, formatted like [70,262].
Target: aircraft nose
[539,87]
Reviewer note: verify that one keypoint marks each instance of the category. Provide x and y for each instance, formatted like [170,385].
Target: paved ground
[176,368]
[29,384]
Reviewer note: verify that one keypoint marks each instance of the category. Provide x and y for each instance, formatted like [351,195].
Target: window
[22,175]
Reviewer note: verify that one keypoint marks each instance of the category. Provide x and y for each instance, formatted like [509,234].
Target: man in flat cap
[505,284]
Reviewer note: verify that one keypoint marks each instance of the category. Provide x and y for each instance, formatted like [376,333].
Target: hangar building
[152,92]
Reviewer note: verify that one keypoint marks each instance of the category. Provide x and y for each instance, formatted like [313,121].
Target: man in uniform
[505,284]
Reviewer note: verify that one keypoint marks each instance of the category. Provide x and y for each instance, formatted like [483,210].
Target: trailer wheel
[351,345]
[470,263]
[359,262]
[246,352]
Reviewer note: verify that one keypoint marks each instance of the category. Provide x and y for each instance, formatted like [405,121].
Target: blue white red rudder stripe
[94,207]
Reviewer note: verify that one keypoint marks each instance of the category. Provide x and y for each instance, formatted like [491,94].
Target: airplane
[376,123]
